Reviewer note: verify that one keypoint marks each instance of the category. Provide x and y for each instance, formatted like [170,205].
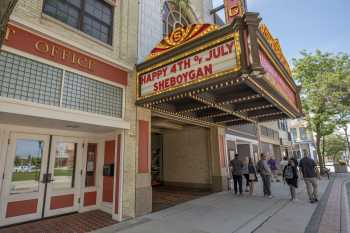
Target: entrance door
[64,176]
[23,189]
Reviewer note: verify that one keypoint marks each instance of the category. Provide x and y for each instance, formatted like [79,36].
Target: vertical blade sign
[234,8]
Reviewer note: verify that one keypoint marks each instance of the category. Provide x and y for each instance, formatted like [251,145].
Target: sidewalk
[226,213]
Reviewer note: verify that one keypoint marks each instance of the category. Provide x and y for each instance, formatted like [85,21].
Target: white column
[117,213]
[4,137]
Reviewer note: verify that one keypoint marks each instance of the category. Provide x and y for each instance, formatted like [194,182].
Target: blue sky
[306,24]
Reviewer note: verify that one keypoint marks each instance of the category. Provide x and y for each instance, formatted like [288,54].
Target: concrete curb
[316,217]
[345,201]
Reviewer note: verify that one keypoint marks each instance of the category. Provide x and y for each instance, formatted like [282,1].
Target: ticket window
[90,179]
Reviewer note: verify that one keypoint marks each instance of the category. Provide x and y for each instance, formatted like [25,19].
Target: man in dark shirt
[236,169]
[308,169]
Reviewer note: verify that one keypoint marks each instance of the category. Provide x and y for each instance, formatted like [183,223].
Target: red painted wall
[63,201]
[117,175]
[107,193]
[89,198]
[143,166]
[18,208]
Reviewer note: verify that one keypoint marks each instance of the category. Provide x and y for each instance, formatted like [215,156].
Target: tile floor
[72,223]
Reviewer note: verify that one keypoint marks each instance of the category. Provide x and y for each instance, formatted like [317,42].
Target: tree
[316,74]
[334,147]
[342,94]
[6,8]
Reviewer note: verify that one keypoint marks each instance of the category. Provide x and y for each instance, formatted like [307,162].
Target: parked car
[23,168]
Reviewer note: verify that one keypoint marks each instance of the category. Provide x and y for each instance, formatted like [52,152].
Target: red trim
[117,176]
[277,81]
[89,198]
[108,181]
[143,147]
[64,201]
[26,41]
[18,208]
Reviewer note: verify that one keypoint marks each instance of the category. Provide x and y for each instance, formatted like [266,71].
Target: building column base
[219,183]
[143,201]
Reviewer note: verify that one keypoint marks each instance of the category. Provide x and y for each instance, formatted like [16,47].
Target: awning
[225,76]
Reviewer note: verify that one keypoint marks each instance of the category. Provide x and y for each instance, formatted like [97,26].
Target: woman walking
[252,176]
[290,175]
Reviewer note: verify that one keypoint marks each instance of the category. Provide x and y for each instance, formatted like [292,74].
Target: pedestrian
[290,176]
[265,172]
[308,169]
[236,170]
[245,173]
[273,167]
[252,176]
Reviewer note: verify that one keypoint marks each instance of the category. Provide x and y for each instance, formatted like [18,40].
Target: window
[27,166]
[65,165]
[94,17]
[88,95]
[174,17]
[25,79]
[302,132]
[90,178]
[28,80]
[293,134]
[218,12]
[282,124]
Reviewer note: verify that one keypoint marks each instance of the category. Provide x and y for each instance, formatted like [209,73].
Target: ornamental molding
[276,47]
[181,36]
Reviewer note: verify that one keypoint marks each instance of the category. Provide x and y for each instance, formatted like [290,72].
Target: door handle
[47,178]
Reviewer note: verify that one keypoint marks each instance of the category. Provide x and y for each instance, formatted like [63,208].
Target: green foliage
[325,92]
[334,146]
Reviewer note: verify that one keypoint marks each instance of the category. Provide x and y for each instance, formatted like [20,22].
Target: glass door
[23,192]
[64,176]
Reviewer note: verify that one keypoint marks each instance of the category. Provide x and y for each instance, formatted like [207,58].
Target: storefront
[61,129]
[216,77]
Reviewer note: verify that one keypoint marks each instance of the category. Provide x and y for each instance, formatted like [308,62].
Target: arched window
[173,17]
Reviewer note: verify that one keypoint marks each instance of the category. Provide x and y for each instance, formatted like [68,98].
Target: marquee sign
[189,70]
[277,81]
[234,8]
[275,45]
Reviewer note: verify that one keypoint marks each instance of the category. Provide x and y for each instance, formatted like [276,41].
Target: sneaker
[312,201]
[270,196]
[316,200]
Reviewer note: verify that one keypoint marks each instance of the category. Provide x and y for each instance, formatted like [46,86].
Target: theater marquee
[219,76]
[191,69]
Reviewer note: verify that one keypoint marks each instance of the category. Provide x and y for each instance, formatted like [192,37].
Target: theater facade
[202,79]
[82,129]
